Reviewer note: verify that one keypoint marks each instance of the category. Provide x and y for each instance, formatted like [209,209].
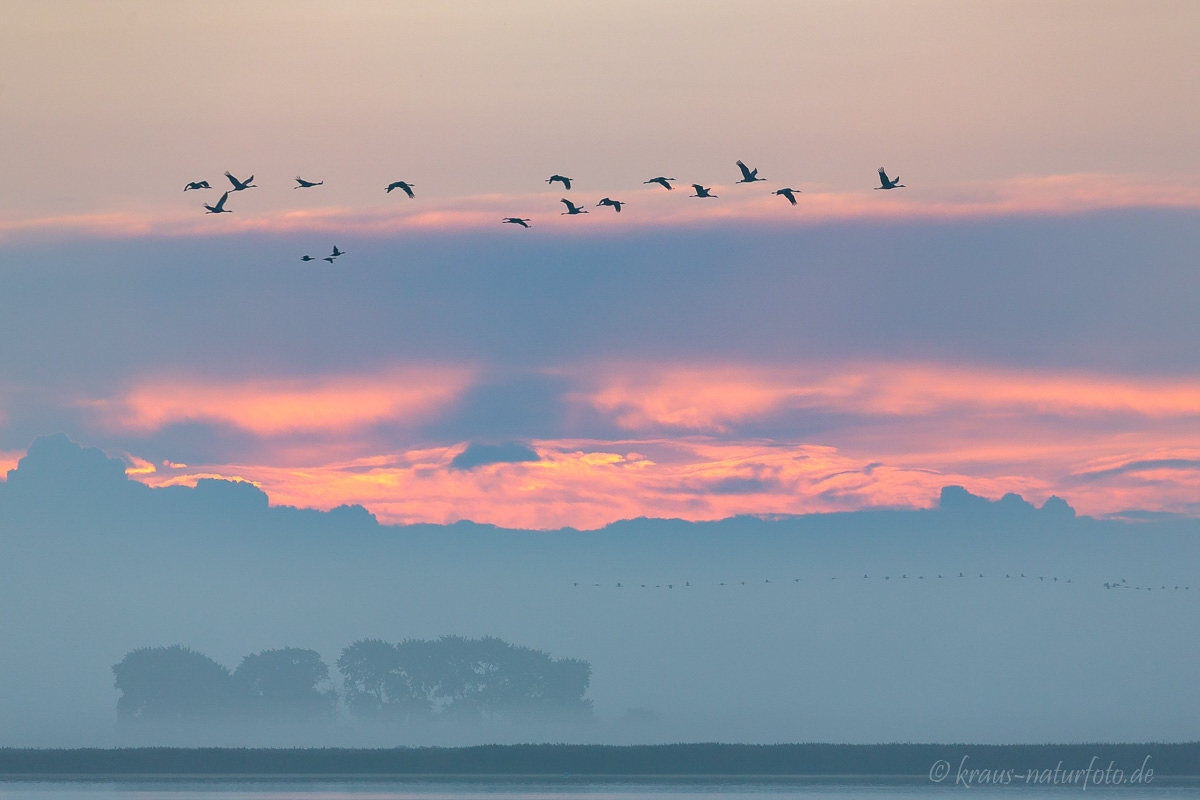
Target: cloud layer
[676,371]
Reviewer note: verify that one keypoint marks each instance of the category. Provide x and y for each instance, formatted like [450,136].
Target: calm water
[560,789]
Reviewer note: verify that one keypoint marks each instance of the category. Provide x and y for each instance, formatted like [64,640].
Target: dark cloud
[478,455]
[1019,292]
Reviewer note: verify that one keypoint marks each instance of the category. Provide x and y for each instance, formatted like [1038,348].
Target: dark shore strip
[914,760]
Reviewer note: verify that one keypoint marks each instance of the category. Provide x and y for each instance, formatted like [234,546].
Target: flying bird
[328,258]
[304,184]
[219,208]
[748,175]
[572,209]
[307,258]
[239,185]
[790,194]
[197,185]
[616,204]
[566,182]
[402,186]
[889,183]
[524,223]
[701,191]
[337,252]
[663,182]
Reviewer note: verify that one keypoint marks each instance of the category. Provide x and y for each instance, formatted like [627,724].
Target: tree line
[451,678]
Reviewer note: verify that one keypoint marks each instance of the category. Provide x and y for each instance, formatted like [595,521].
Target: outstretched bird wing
[747,175]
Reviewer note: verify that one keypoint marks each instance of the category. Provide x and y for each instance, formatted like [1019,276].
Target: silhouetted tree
[172,685]
[286,684]
[490,677]
[378,684]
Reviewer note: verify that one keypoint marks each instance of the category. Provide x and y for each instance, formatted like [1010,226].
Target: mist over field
[746,629]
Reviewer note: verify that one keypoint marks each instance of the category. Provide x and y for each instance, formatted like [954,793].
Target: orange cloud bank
[587,484]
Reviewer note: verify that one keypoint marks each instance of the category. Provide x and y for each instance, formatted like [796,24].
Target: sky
[1019,317]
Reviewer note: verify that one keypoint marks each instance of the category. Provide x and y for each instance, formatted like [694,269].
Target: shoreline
[1174,761]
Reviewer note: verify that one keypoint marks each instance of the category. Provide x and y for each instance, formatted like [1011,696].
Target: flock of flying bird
[748,176]
[1121,584]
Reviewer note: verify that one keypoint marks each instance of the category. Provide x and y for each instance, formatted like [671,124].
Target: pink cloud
[712,397]
[281,406]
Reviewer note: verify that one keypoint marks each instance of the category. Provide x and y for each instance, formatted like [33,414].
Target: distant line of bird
[748,176]
[902,576]
[1122,584]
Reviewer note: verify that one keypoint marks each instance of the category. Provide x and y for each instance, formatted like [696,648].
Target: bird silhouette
[403,186]
[524,223]
[572,209]
[565,181]
[663,182]
[307,258]
[337,252]
[219,208]
[748,175]
[305,184]
[328,258]
[790,194]
[239,185]
[701,191]
[616,204]
[889,183]
[197,185]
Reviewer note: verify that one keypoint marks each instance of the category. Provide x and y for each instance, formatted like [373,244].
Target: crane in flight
[701,191]
[239,185]
[303,184]
[403,186]
[524,223]
[565,181]
[663,182]
[307,258]
[748,175]
[889,183]
[790,194]
[572,209]
[616,204]
[197,185]
[219,208]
